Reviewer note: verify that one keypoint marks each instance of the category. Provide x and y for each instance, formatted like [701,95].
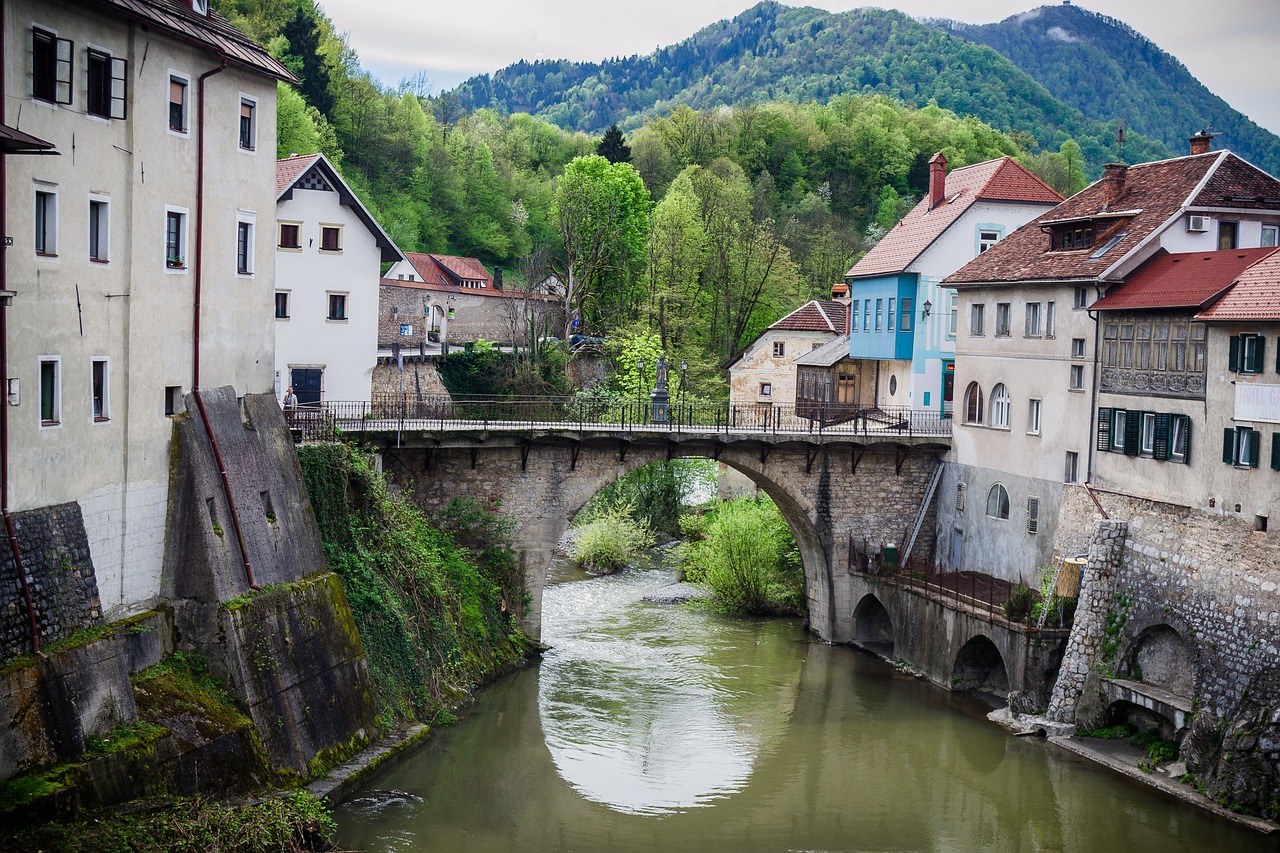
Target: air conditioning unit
[1197,223]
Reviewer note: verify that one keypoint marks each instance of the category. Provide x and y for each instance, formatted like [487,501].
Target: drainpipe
[195,325]
[1093,396]
[10,530]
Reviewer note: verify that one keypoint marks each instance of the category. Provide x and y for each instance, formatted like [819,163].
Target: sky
[1222,42]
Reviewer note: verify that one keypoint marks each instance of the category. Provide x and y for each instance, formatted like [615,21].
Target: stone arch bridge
[830,487]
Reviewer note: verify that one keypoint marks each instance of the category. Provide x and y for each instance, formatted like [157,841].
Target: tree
[613,147]
[601,212]
[303,33]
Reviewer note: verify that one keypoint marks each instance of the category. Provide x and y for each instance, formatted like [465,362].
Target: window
[289,236]
[998,502]
[1147,446]
[175,239]
[338,306]
[1179,439]
[248,124]
[953,311]
[866,315]
[172,400]
[1245,353]
[766,389]
[1033,514]
[779,349]
[244,248]
[50,67]
[889,316]
[1081,298]
[1228,234]
[282,305]
[1033,417]
[1068,237]
[1072,473]
[1000,406]
[1077,378]
[973,404]
[100,390]
[99,234]
[879,313]
[331,238]
[46,218]
[1002,320]
[904,323]
[960,490]
[1119,425]
[977,315]
[1033,320]
[50,391]
[987,239]
[1240,447]
[1049,319]
[1270,235]
[178,87]
[108,85]
[853,315]
[1077,347]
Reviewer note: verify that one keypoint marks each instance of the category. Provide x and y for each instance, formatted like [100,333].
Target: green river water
[660,728]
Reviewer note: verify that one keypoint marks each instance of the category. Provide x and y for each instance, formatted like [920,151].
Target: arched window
[998,502]
[1000,406]
[973,404]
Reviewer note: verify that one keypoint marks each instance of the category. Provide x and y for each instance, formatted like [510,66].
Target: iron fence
[327,420]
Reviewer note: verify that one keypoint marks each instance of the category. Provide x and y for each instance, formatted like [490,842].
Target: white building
[136,265]
[764,374]
[328,254]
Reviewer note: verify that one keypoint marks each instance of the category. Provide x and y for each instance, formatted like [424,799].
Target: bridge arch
[979,666]
[829,490]
[873,626]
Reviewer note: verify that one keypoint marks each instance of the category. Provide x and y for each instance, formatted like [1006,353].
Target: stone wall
[64,590]
[494,316]
[420,380]
[1207,590]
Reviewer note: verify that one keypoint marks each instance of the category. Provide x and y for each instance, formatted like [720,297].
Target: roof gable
[1183,280]
[315,172]
[814,316]
[1000,180]
[1255,295]
[449,270]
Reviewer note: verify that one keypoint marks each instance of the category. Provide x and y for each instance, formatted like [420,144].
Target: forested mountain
[1105,69]
[773,52]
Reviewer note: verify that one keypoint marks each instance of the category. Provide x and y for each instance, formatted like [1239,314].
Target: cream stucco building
[764,375]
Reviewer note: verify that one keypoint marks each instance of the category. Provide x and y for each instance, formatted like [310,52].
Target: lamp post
[660,399]
[639,387]
[684,370]
[927,308]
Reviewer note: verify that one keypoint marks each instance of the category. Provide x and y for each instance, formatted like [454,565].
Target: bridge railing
[328,420]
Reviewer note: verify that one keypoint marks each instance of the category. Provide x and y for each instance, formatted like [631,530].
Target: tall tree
[303,33]
[613,147]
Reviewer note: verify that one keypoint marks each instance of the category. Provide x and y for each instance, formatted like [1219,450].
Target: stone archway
[873,627]
[1163,658]
[980,667]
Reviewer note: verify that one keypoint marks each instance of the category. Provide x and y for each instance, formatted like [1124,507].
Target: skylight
[1107,246]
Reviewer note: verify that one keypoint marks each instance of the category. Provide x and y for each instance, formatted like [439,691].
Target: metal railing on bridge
[330,420]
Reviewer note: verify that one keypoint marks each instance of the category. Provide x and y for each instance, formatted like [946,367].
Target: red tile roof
[994,180]
[814,316]
[1185,280]
[1153,194]
[469,291]
[1254,296]
[212,31]
[449,270]
[292,168]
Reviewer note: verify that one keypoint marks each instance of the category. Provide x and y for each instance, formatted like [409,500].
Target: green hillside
[1105,69]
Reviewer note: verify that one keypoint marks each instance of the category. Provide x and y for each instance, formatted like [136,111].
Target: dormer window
[1069,237]
[200,7]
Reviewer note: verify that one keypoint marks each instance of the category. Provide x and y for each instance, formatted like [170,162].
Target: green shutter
[1104,429]
[1228,445]
[1259,356]
[1277,355]
[1275,451]
[1132,433]
[1255,439]
[1186,457]
[1161,445]
[1233,357]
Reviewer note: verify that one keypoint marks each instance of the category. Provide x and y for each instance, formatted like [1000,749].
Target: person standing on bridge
[289,403]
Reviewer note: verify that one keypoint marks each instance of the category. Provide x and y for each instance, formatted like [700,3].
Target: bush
[748,559]
[610,540]
[1021,604]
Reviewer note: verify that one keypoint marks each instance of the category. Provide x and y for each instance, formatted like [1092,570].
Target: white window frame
[1075,381]
[1147,434]
[977,320]
[1032,329]
[1119,418]
[1081,299]
[1034,410]
[953,314]
[779,349]
[184,245]
[1005,505]
[1071,474]
[328,306]
[1000,406]
[50,219]
[246,219]
[1003,327]
[56,403]
[1179,427]
[889,316]
[1273,231]
[103,235]
[1050,319]
[987,237]
[766,390]
[1078,347]
[185,79]
[252,103]
[103,415]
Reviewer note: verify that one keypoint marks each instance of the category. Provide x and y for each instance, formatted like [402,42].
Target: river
[660,728]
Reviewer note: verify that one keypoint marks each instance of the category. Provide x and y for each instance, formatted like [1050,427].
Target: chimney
[1200,141]
[937,179]
[497,278]
[1113,183]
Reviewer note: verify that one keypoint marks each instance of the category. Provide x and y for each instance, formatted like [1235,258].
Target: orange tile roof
[1153,194]
[994,180]
[1254,296]
[814,316]
[450,270]
[292,168]
[1184,280]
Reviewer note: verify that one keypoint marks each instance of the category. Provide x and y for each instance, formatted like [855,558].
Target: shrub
[610,540]
[1021,604]
[748,559]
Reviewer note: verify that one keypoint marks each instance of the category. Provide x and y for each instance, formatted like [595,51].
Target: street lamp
[639,386]
[928,307]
